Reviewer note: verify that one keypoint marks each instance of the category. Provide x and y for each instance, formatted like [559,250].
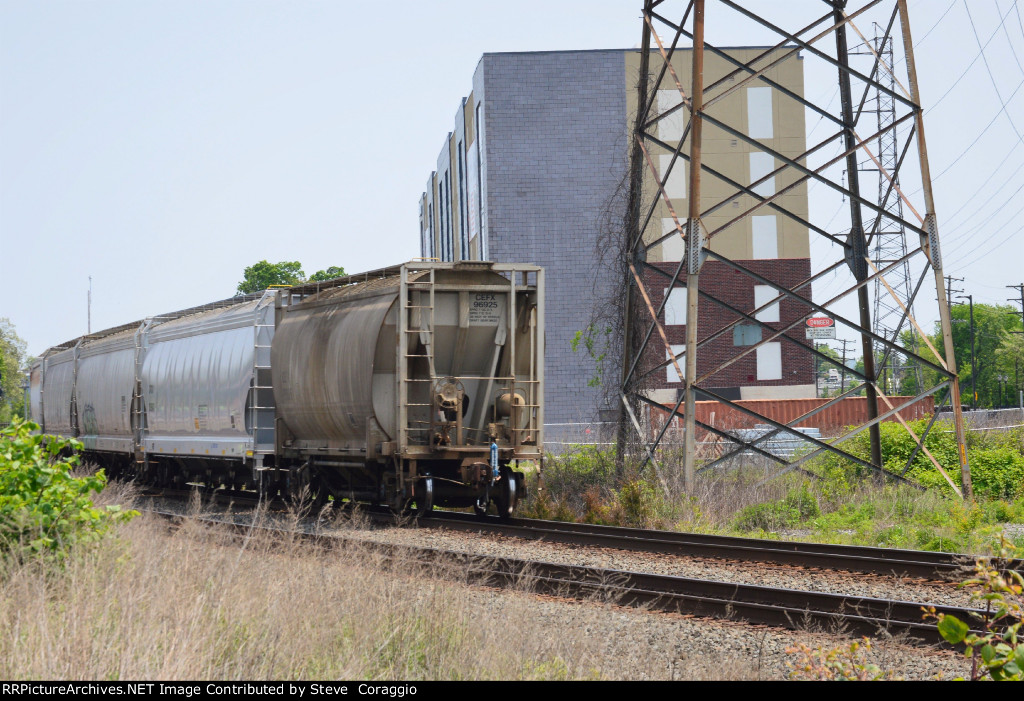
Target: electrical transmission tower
[719,282]
[889,247]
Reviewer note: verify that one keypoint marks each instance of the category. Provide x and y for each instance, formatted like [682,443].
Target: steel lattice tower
[667,168]
[889,242]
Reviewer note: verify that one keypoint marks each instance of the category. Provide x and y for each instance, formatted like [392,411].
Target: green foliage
[12,357]
[329,274]
[574,472]
[997,651]
[994,354]
[262,275]
[798,506]
[43,507]
[641,504]
[596,342]
[997,463]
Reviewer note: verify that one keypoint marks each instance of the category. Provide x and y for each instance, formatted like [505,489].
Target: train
[411,386]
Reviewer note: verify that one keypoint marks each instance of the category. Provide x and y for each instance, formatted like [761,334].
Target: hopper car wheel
[508,494]
[306,489]
[425,499]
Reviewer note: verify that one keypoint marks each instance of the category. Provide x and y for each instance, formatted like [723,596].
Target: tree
[992,325]
[12,357]
[262,275]
[329,274]
[1010,364]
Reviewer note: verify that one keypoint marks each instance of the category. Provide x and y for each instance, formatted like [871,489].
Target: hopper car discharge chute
[412,386]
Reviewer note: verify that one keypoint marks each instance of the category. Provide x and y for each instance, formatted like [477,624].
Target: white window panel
[670,370]
[670,128]
[762,295]
[765,237]
[759,113]
[769,361]
[675,188]
[675,306]
[761,164]
[673,248]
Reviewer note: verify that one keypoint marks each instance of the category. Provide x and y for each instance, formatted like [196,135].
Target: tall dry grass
[195,603]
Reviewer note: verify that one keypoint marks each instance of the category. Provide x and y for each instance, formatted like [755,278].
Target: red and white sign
[820,322]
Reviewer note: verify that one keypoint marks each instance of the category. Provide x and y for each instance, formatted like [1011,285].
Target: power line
[965,238]
[995,192]
[1009,42]
[989,126]
[971,64]
[985,253]
[988,69]
[937,23]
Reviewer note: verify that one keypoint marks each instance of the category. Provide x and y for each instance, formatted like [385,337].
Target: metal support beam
[721,335]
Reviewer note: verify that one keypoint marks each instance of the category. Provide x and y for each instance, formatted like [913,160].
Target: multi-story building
[535,170]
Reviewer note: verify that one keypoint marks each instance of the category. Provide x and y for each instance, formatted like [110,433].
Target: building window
[430,232]
[675,188]
[670,370]
[673,248]
[441,227]
[769,361]
[460,161]
[449,234]
[479,130]
[746,335]
[762,295]
[765,241]
[670,128]
[759,113]
[675,306]
[761,164]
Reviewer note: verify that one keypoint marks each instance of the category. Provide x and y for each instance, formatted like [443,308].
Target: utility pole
[1016,364]
[1019,300]
[88,313]
[950,292]
[974,366]
[842,381]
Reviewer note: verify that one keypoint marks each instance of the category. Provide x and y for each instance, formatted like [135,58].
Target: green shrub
[997,461]
[769,516]
[799,505]
[641,504]
[580,469]
[43,507]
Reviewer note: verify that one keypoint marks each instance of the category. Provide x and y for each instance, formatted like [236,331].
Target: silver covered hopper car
[401,387]
[410,386]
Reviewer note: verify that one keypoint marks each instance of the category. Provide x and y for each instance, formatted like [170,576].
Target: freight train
[412,386]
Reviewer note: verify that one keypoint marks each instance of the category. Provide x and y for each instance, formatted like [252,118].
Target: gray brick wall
[556,152]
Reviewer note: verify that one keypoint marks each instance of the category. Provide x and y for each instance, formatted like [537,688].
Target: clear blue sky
[162,147]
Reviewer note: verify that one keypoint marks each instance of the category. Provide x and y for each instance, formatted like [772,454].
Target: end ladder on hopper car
[416,320]
[261,405]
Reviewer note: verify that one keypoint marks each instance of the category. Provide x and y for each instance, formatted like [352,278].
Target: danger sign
[820,322]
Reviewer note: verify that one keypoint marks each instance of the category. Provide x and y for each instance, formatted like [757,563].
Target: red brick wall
[737,289]
[849,411]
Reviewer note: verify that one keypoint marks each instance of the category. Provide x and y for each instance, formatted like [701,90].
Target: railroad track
[754,604]
[940,566]
[853,558]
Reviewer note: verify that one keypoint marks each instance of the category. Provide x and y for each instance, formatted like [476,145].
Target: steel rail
[789,608]
[923,564]
[853,558]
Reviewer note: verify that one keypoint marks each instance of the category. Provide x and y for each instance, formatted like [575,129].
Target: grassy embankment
[831,501]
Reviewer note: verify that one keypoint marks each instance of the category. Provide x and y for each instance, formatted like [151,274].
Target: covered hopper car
[412,386]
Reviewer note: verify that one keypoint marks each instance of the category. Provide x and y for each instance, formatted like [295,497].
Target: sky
[161,148]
